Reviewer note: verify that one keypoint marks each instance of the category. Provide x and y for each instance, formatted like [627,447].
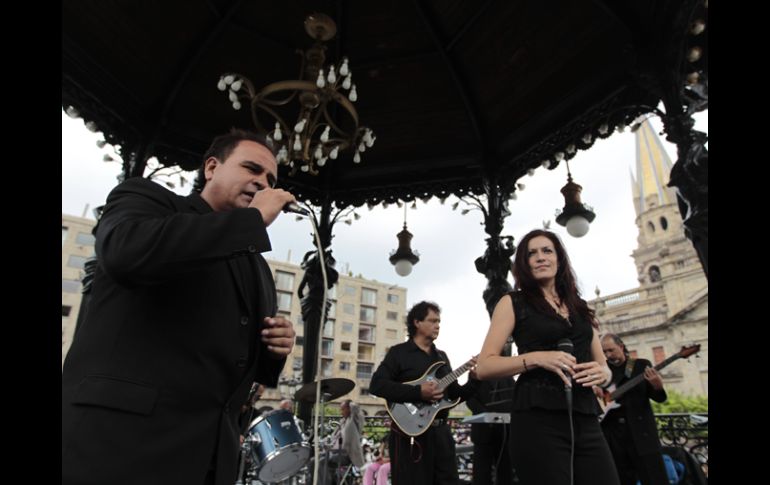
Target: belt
[438,422]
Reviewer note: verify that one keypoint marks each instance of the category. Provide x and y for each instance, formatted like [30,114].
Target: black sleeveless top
[536,331]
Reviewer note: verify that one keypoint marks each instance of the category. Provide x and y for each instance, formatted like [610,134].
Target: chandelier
[320,131]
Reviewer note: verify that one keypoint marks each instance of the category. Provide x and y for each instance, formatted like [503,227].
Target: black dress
[540,424]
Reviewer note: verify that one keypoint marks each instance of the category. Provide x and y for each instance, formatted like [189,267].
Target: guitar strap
[630,362]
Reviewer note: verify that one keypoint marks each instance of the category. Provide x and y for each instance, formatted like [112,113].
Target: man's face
[345,409]
[613,352]
[232,183]
[430,326]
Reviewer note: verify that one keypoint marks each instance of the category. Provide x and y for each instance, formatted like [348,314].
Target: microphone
[565,345]
[295,208]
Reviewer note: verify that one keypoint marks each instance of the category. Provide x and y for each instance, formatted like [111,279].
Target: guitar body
[415,418]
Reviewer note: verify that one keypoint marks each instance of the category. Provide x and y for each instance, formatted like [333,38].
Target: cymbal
[330,389]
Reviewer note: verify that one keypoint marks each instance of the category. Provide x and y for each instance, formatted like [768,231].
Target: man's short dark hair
[223,145]
[419,312]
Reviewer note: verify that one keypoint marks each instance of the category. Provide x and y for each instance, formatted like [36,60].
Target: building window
[654,274]
[392,298]
[367,314]
[344,366]
[63,234]
[327,367]
[70,286]
[349,309]
[346,346]
[366,352]
[650,227]
[368,297]
[284,300]
[663,223]
[347,327]
[85,239]
[350,290]
[299,340]
[327,348]
[329,329]
[366,333]
[391,334]
[65,310]
[365,391]
[332,312]
[392,316]
[658,355]
[679,264]
[284,281]
[76,261]
[364,371]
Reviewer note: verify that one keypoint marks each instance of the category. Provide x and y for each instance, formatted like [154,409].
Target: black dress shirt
[408,362]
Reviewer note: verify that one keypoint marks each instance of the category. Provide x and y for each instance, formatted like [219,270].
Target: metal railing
[688,431]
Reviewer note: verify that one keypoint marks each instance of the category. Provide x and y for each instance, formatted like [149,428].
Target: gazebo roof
[457,92]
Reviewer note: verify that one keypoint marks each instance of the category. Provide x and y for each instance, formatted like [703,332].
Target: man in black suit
[180,323]
[630,429]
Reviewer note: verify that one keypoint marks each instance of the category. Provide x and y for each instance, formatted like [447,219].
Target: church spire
[653,167]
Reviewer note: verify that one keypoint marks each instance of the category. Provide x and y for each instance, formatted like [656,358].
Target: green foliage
[679,403]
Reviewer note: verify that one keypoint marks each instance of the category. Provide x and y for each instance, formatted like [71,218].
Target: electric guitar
[613,393]
[415,418]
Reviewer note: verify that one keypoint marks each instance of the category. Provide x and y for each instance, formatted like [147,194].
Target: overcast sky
[447,241]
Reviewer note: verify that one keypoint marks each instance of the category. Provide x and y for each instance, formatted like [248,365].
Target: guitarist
[428,458]
[630,429]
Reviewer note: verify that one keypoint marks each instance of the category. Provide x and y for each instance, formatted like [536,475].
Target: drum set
[274,449]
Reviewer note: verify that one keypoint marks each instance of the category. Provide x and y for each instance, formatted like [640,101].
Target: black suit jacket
[636,408]
[153,383]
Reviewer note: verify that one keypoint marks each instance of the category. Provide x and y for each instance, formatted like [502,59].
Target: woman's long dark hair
[566,287]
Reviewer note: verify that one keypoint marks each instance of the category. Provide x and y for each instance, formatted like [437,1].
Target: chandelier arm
[256,104]
[347,104]
[334,126]
[313,125]
[293,85]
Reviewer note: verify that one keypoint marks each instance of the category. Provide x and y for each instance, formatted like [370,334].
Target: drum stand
[324,398]
[245,449]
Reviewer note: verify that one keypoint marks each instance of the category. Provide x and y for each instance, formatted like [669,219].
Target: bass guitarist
[427,458]
[630,429]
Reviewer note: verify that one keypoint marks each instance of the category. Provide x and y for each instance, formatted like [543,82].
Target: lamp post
[404,258]
[576,215]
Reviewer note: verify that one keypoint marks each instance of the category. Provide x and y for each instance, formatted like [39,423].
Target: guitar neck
[637,379]
[452,376]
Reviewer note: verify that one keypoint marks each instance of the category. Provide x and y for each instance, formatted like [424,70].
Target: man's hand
[270,202]
[430,392]
[474,361]
[652,376]
[278,336]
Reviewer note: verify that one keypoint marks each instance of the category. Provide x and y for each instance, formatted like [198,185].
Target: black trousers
[490,452]
[429,461]
[540,449]
[647,468]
